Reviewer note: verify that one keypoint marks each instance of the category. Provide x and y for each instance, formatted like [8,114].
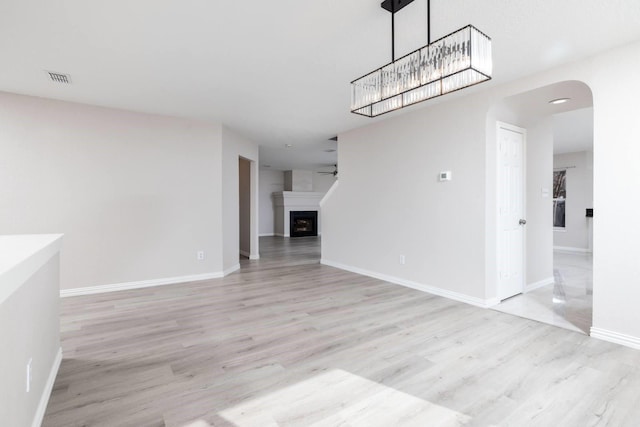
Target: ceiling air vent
[59,77]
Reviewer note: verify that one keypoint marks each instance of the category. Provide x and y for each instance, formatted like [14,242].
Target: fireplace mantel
[286,201]
[297,198]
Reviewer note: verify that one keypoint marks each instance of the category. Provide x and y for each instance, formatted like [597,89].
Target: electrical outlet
[200,255]
[402,260]
[445,176]
[29,375]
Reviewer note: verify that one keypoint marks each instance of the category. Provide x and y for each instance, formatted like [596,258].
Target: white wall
[616,197]
[539,228]
[447,231]
[136,195]
[298,180]
[579,181]
[235,146]
[270,181]
[611,78]
[322,182]
[390,202]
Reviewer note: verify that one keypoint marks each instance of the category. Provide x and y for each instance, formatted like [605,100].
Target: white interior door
[511,209]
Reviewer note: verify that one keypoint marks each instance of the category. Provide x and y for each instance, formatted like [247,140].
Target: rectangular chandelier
[454,62]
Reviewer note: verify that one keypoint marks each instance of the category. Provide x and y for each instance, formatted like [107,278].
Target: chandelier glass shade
[454,62]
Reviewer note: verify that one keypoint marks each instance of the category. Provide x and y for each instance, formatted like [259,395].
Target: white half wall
[136,195]
[29,329]
[578,228]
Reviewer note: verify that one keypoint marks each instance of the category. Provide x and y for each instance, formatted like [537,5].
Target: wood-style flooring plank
[288,342]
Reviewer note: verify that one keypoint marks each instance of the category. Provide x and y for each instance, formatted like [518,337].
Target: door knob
[522,222]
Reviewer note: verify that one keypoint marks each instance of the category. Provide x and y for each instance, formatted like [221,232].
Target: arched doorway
[556,285]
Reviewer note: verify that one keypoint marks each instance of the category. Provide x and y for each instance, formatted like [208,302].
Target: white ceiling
[572,120]
[573,131]
[276,71]
[531,106]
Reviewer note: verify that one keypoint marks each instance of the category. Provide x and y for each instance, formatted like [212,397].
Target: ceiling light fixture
[559,101]
[454,62]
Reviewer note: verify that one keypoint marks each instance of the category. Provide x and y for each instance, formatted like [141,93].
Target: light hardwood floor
[289,342]
[567,303]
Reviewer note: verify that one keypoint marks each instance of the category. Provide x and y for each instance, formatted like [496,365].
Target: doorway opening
[291,214]
[246,208]
[557,285]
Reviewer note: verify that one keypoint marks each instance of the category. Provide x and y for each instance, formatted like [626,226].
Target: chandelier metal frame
[456,61]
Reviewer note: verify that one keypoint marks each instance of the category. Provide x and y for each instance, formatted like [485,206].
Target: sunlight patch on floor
[340,398]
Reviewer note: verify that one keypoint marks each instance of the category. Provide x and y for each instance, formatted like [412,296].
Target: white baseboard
[90,290]
[48,388]
[280,235]
[230,270]
[533,286]
[616,338]
[254,257]
[571,250]
[478,302]
[492,302]
[266,235]
[245,253]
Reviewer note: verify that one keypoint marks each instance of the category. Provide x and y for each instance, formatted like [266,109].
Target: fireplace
[303,223]
[286,202]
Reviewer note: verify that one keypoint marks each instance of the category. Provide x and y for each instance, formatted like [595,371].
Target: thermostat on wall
[445,176]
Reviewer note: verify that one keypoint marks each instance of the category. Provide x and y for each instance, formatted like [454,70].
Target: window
[559,198]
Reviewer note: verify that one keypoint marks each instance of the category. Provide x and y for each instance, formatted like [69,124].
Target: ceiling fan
[334,172]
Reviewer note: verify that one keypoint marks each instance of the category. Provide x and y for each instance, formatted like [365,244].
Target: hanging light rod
[453,62]
[395,5]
